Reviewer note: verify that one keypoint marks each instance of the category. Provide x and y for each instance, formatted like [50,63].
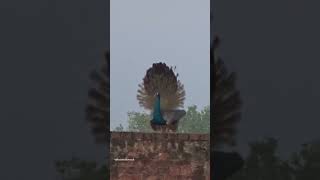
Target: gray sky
[274,48]
[144,32]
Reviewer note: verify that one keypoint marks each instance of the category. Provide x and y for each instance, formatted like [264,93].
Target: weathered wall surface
[159,156]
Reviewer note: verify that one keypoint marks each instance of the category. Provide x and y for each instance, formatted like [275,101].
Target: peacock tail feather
[161,78]
[226,102]
[97,109]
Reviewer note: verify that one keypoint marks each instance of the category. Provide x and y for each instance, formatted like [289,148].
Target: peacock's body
[157,115]
[162,93]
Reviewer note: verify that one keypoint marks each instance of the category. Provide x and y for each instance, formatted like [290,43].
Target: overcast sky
[144,32]
[273,46]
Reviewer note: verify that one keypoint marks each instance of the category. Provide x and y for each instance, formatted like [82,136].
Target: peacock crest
[162,79]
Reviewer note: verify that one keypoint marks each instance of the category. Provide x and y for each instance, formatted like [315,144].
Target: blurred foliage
[263,163]
[119,128]
[139,122]
[76,169]
[195,121]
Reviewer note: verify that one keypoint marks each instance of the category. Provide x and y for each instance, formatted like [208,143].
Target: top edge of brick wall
[162,136]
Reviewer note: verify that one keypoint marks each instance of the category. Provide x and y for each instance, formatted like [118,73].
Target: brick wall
[159,156]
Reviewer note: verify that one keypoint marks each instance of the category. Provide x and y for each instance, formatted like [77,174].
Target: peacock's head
[157,99]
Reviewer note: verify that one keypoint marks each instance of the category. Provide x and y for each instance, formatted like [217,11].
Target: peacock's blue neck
[157,117]
[157,106]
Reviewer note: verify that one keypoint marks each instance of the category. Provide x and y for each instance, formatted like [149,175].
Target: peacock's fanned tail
[226,102]
[97,109]
[161,78]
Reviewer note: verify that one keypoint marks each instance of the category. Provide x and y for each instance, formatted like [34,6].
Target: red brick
[168,177]
[126,135]
[115,135]
[153,177]
[138,136]
[113,177]
[204,137]
[194,137]
[198,178]
[183,178]
[130,177]
[132,154]
[174,170]
[172,136]
[195,165]
[163,170]
[164,136]
[160,163]
[183,137]
[186,170]
[125,164]
[163,156]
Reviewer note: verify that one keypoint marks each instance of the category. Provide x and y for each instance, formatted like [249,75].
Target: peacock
[226,114]
[226,101]
[97,109]
[163,94]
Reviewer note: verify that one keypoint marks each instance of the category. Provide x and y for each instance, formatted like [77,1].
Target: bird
[97,108]
[157,115]
[226,100]
[163,94]
[226,114]
[157,121]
